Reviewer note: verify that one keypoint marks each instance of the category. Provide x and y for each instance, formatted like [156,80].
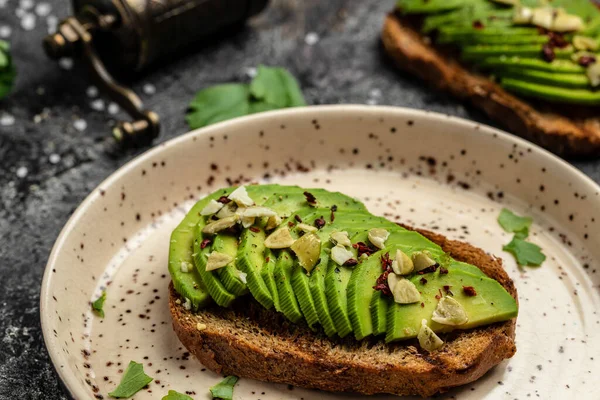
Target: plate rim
[66,376]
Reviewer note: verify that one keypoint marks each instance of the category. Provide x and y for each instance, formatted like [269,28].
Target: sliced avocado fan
[321,258]
[533,48]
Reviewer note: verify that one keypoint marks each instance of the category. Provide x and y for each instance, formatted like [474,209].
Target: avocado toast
[306,287]
[530,65]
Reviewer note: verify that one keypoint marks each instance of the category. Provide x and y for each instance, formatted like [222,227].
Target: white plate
[424,169]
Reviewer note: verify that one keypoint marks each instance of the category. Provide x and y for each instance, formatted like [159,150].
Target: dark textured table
[53,132]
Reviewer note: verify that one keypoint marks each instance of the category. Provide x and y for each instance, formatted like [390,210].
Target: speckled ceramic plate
[424,169]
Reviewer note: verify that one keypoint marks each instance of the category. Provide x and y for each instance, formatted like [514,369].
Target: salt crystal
[5,31]
[19,12]
[149,88]
[7,120]
[43,9]
[250,72]
[54,158]
[113,108]
[22,172]
[28,22]
[26,4]
[37,118]
[80,124]
[66,63]
[375,93]
[311,38]
[97,105]
[92,91]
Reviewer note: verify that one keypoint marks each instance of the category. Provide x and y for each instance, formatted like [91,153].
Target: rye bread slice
[249,341]
[568,130]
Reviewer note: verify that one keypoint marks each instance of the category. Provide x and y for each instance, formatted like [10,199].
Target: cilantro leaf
[7,69]
[526,254]
[99,304]
[218,103]
[511,222]
[173,395]
[272,88]
[134,379]
[224,389]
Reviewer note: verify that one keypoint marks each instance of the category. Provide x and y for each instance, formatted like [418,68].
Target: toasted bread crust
[251,342]
[544,124]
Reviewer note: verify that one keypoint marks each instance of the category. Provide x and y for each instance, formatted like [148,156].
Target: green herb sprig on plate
[526,253]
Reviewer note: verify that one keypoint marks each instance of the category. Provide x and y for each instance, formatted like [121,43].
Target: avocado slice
[556,66]
[428,6]
[229,275]
[575,81]
[251,260]
[189,284]
[481,51]
[283,279]
[492,303]
[552,93]
[268,275]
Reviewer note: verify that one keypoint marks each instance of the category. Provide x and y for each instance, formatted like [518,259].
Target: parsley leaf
[134,379]
[511,222]
[224,389]
[173,395]
[272,88]
[526,254]
[99,304]
[7,69]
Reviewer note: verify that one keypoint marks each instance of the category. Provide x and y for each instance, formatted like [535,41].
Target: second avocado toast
[318,262]
[532,65]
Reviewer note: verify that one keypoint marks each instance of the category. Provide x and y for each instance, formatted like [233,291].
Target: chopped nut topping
[217,260]
[339,254]
[220,224]
[402,264]
[200,326]
[306,228]
[422,260]
[280,239]
[378,236]
[273,222]
[342,238]
[241,197]
[449,312]
[308,251]
[211,208]
[404,291]
[428,340]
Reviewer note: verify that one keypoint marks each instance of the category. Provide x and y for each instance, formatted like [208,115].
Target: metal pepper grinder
[129,35]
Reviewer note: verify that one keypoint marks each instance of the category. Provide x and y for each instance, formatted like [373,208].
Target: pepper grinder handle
[74,39]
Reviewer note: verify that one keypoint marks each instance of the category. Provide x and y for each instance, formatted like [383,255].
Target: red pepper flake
[430,269]
[422,305]
[297,218]
[386,263]
[477,24]
[224,199]
[443,271]
[548,52]
[267,259]
[333,210]
[447,290]
[351,262]
[423,281]
[362,248]
[291,224]
[469,291]
[310,198]
[205,243]
[557,40]
[586,61]
[319,222]
[382,285]
[254,229]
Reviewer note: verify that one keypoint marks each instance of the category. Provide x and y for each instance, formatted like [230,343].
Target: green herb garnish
[527,254]
[134,379]
[173,395]
[98,305]
[272,88]
[224,389]
[511,222]
[7,69]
